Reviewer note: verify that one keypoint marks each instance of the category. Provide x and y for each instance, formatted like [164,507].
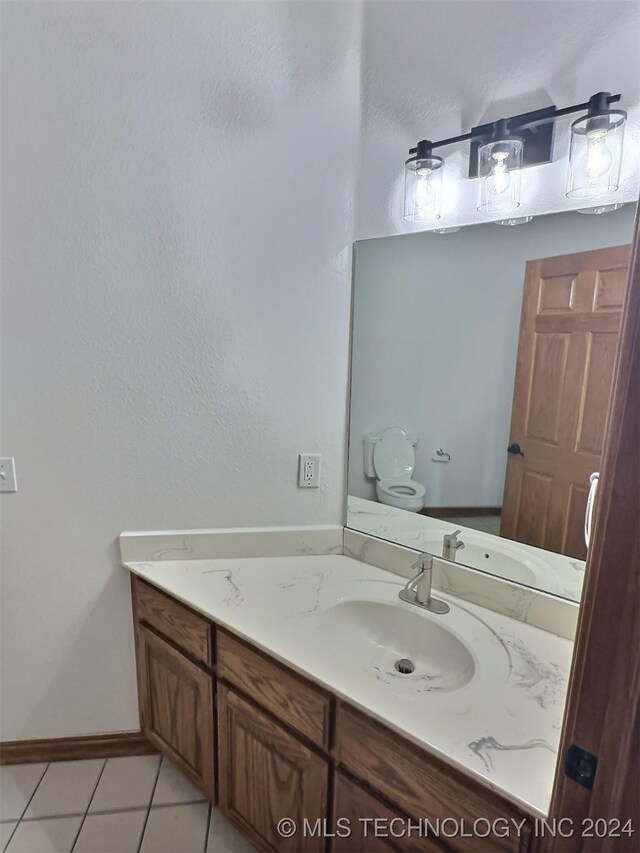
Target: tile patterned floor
[138,804]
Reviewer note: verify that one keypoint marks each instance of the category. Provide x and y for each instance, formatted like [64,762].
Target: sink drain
[405,666]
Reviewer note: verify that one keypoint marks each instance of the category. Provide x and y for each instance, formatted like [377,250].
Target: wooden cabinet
[176,707]
[174,651]
[287,749]
[292,699]
[359,809]
[425,787]
[267,774]
[188,630]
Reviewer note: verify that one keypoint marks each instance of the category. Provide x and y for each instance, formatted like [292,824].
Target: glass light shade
[601,208]
[499,175]
[514,220]
[595,155]
[423,189]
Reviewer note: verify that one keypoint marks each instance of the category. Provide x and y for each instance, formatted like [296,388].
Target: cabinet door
[425,787]
[267,774]
[373,826]
[176,707]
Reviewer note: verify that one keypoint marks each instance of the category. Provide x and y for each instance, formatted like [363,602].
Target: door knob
[515,450]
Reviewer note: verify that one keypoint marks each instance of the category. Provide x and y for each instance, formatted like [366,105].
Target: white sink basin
[375,635]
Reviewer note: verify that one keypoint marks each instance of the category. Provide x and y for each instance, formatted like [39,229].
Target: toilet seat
[393,455]
[401,493]
[400,488]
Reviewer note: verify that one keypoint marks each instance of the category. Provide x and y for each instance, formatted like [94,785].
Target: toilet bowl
[390,458]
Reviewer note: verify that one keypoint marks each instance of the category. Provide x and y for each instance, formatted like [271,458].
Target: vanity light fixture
[500,150]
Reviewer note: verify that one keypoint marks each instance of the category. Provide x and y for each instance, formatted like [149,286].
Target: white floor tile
[176,828]
[224,837]
[116,832]
[126,783]
[66,788]
[6,829]
[55,835]
[17,784]
[174,787]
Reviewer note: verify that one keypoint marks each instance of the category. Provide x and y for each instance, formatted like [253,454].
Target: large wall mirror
[481,374]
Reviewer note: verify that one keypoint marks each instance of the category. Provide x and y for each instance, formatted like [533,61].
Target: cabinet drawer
[422,786]
[288,696]
[175,621]
[374,827]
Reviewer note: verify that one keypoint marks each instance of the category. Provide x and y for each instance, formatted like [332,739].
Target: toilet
[390,458]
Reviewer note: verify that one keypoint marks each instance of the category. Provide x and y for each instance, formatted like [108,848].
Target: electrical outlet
[8,475]
[308,471]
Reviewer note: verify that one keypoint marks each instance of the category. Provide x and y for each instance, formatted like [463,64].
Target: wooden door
[571,311]
[267,774]
[176,707]
[603,706]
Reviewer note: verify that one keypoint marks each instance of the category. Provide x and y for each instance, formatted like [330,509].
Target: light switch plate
[8,482]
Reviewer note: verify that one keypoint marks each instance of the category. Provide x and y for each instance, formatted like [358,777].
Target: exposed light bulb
[500,164]
[425,195]
[498,180]
[422,187]
[599,157]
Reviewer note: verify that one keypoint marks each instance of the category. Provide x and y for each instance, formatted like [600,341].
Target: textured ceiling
[434,69]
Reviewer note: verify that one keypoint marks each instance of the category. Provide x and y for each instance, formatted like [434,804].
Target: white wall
[435,336]
[177,195]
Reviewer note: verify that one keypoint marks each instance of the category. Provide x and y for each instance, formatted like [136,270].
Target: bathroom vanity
[270,682]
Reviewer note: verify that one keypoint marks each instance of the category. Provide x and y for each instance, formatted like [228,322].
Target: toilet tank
[370,442]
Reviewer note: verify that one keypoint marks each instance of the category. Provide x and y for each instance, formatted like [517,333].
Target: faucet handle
[450,538]
[424,561]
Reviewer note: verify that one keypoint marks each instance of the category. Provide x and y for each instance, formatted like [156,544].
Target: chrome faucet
[451,544]
[418,590]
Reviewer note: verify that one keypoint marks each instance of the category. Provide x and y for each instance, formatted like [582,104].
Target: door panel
[534,497]
[569,330]
[267,774]
[360,808]
[547,387]
[176,701]
[592,419]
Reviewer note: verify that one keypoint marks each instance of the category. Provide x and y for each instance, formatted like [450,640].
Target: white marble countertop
[502,727]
